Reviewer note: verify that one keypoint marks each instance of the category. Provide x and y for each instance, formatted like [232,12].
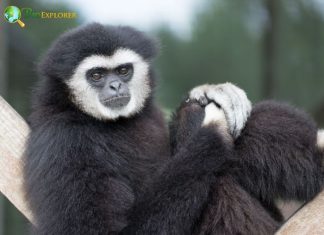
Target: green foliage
[300,59]
[227,45]
[25,48]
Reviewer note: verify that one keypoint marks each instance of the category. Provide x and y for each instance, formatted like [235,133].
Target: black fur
[180,192]
[275,158]
[195,192]
[229,209]
[232,210]
[83,175]
[278,155]
[93,39]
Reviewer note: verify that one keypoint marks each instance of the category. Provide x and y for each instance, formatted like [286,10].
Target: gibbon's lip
[116,101]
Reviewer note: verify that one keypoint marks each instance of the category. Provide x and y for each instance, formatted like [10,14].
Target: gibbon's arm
[68,189]
[180,192]
[178,197]
[278,154]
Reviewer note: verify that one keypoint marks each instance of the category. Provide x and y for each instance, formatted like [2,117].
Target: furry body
[83,172]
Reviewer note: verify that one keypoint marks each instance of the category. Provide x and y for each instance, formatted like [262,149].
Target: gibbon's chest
[134,149]
[144,138]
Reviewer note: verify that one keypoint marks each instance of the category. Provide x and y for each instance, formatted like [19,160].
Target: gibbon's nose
[115,94]
[118,88]
[115,85]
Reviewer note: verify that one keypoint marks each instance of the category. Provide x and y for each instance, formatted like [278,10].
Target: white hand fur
[232,100]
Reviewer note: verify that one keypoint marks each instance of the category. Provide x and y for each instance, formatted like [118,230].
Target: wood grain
[309,220]
[13,133]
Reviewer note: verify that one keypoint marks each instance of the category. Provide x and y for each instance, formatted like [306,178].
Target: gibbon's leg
[232,210]
[278,156]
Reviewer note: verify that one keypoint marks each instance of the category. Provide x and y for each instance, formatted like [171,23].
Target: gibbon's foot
[320,139]
[230,98]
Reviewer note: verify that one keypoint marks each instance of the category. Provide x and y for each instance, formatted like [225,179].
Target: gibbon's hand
[191,116]
[228,97]
[186,121]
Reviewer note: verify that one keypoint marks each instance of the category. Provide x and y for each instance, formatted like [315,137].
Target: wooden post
[309,220]
[13,133]
[269,47]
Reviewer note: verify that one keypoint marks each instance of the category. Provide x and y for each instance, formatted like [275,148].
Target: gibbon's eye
[96,76]
[123,70]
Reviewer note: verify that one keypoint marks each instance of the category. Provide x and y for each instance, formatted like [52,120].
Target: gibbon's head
[106,69]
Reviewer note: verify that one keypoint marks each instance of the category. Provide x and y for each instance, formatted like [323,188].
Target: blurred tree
[270,43]
[319,115]
[222,48]
[270,48]
[299,64]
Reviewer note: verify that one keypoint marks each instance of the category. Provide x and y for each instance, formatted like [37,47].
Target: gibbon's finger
[235,103]
[220,97]
[214,93]
[241,106]
[198,94]
[320,140]
[231,98]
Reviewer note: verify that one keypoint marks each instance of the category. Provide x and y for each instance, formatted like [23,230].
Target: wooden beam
[13,133]
[309,220]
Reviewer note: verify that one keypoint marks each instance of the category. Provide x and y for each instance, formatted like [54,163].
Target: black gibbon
[96,132]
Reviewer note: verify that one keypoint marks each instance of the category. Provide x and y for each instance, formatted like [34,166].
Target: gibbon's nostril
[115,85]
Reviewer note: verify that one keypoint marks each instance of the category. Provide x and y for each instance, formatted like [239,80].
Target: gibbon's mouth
[116,101]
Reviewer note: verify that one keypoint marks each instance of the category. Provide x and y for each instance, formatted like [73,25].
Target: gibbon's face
[109,87]
[107,69]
